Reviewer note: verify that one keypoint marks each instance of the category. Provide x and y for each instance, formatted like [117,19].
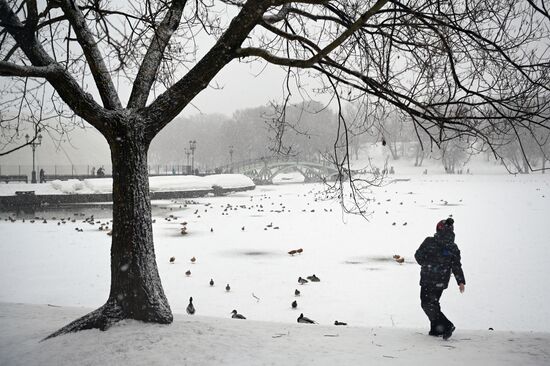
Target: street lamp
[187,153]
[33,146]
[192,147]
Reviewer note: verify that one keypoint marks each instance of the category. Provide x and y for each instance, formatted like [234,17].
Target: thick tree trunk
[136,290]
[135,282]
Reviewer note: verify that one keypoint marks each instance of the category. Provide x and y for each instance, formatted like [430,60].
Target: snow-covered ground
[201,341]
[105,185]
[501,228]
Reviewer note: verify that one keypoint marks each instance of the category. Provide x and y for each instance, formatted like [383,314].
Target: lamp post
[192,147]
[187,153]
[231,150]
[33,145]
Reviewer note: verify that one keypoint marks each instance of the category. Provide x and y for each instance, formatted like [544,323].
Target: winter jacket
[438,256]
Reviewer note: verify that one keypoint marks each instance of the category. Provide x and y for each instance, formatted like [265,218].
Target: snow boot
[449,332]
[436,329]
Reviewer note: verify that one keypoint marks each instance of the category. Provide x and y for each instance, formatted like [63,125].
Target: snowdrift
[198,340]
[156,184]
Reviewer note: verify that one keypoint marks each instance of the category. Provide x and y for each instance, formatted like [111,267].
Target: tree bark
[136,290]
[135,281]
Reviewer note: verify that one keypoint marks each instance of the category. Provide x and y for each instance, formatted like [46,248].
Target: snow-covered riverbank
[203,340]
[105,185]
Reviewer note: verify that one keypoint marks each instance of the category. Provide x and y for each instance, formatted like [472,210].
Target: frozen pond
[79,211]
[243,239]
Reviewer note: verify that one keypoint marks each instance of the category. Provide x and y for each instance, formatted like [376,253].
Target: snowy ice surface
[501,228]
[105,185]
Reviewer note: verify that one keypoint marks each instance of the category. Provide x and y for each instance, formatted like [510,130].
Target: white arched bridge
[263,170]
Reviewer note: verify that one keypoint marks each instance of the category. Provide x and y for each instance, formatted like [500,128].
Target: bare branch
[80,102]
[33,138]
[10,69]
[275,18]
[321,54]
[172,101]
[541,9]
[151,62]
[272,59]
[86,40]
[32,17]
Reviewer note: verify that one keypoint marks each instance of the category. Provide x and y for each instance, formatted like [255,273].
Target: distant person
[42,176]
[93,171]
[439,256]
[101,172]
[392,171]
[425,172]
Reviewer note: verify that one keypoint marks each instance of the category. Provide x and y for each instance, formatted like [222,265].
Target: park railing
[9,173]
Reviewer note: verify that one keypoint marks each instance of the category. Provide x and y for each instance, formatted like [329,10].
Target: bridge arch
[262,171]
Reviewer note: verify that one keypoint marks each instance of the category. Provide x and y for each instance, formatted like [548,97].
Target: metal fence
[53,169]
[86,170]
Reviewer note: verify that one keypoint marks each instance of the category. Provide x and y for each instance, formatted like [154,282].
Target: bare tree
[360,127]
[420,151]
[394,128]
[427,58]
[454,154]
[522,152]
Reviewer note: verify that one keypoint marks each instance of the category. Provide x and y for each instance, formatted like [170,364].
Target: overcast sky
[244,86]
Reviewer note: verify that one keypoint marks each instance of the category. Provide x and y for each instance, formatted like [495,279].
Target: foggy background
[251,133]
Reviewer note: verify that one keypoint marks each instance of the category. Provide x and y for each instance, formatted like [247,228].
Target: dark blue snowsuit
[438,256]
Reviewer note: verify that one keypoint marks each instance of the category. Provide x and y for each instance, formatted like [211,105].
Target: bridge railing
[239,165]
